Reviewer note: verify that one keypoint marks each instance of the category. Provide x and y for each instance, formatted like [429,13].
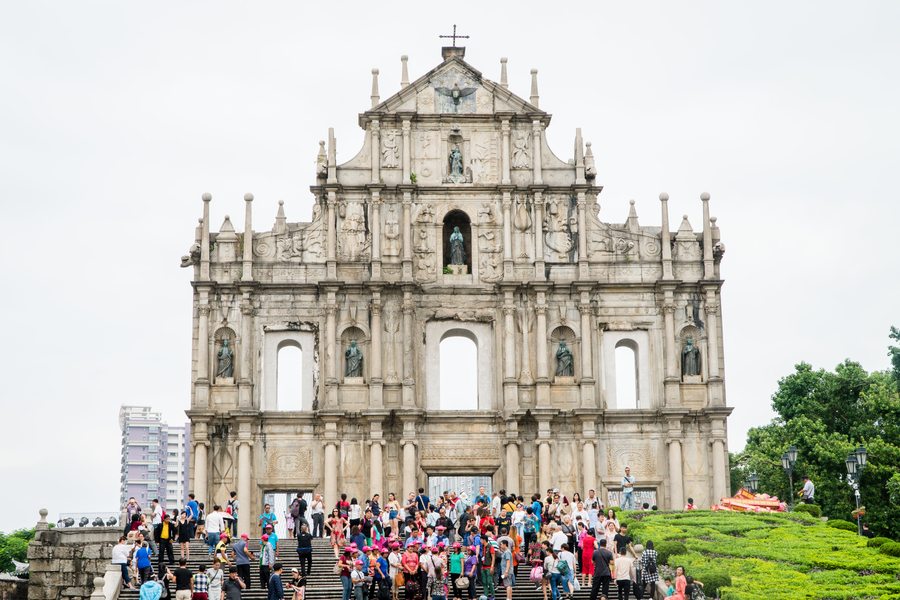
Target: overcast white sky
[116,116]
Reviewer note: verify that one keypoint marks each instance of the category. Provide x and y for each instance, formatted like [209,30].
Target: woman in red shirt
[335,525]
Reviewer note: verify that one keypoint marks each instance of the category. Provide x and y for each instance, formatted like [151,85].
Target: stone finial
[579,157]
[590,168]
[534,99]
[42,522]
[226,228]
[504,80]
[98,593]
[404,71]
[663,197]
[332,157]
[704,197]
[248,197]
[375,97]
[685,231]
[632,222]
[207,197]
[280,221]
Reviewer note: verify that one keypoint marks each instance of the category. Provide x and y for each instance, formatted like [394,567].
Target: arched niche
[457,218]
[482,335]
[222,335]
[694,334]
[273,341]
[638,342]
[564,333]
[354,334]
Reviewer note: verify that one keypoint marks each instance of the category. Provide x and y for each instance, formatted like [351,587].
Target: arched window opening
[459,373]
[453,219]
[627,395]
[289,378]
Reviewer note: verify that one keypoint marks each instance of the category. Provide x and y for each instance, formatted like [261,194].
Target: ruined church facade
[546,289]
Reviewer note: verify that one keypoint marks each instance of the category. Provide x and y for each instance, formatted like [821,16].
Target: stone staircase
[323,584]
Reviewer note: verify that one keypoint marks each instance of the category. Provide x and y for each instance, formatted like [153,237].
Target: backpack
[563,567]
[295,508]
[537,574]
[651,566]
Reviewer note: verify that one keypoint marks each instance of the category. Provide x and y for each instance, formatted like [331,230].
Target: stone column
[408,375]
[545,481]
[676,478]
[720,485]
[536,151]
[375,130]
[203,339]
[247,274]
[589,465]
[407,235]
[670,347]
[330,468]
[539,236]
[712,336]
[331,361]
[509,342]
[665,237]
[204,239]
[504,159]
[708,268]
[507,227]
[243,488]
[200,462]
[375,352]
[587,360]
[512,465]
[376,226]
[541,339]
[246,335]
[409,467]
[376,480]
[406,150]
[582,228]
[331,237]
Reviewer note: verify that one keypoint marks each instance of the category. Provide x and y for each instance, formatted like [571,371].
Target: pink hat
[264,537]
[441,528]
[353,546]
[358,563]
[395,545]
[269,526]
[473,548]
[440,544]
[457,545]
[366,549]
[348,550]
[244,536]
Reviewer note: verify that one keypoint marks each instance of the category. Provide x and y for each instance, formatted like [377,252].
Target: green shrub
[876,542]
[890,548]
[666,549]
[713,582]
[842,524]
[812,509]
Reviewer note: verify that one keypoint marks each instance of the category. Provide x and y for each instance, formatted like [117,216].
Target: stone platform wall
[64,562]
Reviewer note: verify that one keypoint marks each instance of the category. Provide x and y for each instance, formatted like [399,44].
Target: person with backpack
[566,568]
[164,534]
[232,510]
[649,567]
[604,568]
[298,513]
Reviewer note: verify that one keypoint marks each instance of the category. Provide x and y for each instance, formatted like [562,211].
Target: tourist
[221,551]
[335,526]
[471,568]
[216,579]
[267,518]
[557,537]
[588,544]
[680,585]
[604,563]
[422,501]
[624,571]
[215,525]
[289,522]
[120,554]
[200,587]
[232,510]
[437,581]
[808,493]
[690,505]
[183,580]
[233,585]
[358,580]
[551,572]
[275,587]
[273,538]
[392,507]
[304,549]
[266,561]
[297,585]
[185,534]
[317,511]
[649,567]
[193,513]
[241,555]
[298,513]
[670,589]
[164,535]
[151,590]
[142,559]
[381,574]
[566,568]
[157,517]
[201,520]
[395,571]
[694,588]
[343,507]
[623,541]
[628,490]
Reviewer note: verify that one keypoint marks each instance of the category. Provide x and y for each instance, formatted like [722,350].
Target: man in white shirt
[808,494]
[558,538]
[495,505]
[120,557]
[628,490]
[215,525]
[567,580]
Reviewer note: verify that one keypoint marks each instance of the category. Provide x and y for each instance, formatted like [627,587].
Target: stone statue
[521,158]
[225,366]
[457,248]
[565,367]
[354,359]
[456,163]
[390,150]
[690,358]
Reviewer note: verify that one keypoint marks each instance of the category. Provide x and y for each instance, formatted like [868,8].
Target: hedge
[842,524]
[666,549]
[875,542]
[890,548]
[812,509]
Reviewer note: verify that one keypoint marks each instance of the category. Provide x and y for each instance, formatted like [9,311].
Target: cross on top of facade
[454,36]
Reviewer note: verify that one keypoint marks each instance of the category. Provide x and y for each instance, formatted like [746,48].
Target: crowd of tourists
[450,546]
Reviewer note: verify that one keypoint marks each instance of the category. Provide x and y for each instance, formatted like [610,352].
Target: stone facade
[455,149]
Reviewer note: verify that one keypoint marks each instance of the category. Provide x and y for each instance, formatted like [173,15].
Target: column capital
[673,440]
[204,310]
[712,308]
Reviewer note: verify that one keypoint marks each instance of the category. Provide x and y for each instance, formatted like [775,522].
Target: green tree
[14,546]
[894,353]
[827,414]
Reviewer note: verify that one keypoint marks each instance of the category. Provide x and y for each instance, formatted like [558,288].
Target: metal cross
[454,36]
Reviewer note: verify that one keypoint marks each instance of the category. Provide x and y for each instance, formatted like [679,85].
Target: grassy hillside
[770,556]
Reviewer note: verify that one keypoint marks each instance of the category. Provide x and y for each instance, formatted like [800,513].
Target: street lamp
[753,482]
[856,462]
[788,460]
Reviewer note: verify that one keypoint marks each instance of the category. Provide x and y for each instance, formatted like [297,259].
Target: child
[298,584]
[670,589]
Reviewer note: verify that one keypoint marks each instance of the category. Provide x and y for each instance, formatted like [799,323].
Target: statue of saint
[690,358]
[565,367]
[457,248]
[456,162]
[354,359]
[225,366]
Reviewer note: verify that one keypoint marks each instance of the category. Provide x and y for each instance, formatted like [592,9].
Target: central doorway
[468,484]
[280,501]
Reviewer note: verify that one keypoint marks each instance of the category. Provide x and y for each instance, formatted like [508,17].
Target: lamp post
[753,482]
[788,460]
[856,462]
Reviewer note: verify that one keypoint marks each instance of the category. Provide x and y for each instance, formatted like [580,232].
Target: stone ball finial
[99,582]
[248,197]
[631,202]
[664,197]
[227,218]
[207,197]
[374,71]
[503,59]
[684,217]
[281,203]
[534,71]
[43,512]
[713,221]
[200,220]
[404,57]
[704,196]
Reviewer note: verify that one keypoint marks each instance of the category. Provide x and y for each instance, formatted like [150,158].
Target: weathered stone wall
[13,590]
[64,562]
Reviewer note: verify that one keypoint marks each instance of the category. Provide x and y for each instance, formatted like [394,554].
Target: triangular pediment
[454,87]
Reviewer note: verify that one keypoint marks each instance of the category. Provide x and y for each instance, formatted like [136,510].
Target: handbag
[462,582]
[337,568]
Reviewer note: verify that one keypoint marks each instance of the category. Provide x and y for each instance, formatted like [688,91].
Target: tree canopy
[826,415]
[14,546]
